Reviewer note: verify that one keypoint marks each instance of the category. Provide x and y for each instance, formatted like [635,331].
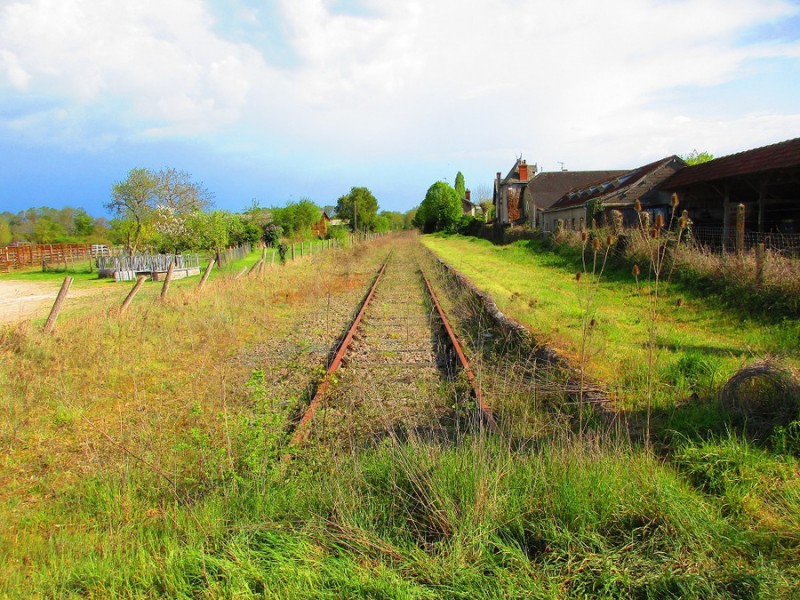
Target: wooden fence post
[292,250]
[760,255]
[62,295]
[167,279]
[129,298]
[740,229]
[206,273]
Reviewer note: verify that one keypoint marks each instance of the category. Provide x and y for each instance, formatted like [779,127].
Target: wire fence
[715,239]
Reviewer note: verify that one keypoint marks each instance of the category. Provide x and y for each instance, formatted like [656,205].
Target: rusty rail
[486,410]
[303,428]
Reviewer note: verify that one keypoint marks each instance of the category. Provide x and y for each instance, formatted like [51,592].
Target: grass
[699,342]
[140,458]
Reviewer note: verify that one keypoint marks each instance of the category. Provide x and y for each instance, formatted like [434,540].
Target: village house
[765,180]
[510,196]
[616,194]
[467,207]
[547,187]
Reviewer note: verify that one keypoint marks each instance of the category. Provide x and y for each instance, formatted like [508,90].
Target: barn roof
[776,156]
[628,186]
[548,187]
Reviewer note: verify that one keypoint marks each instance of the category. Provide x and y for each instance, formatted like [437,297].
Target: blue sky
[277,100]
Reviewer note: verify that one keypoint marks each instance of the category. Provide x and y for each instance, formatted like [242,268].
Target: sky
[276,100]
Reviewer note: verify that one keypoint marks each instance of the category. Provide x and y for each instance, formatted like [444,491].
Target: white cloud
[568,80]
[158,60]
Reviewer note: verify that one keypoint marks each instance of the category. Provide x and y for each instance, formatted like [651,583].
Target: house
[547,187]
[467,207]
[510,196]
[320,228]
[597,200]
[765,180]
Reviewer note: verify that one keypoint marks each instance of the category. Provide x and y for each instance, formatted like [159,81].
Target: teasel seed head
[584,235]
[683,222]
[610,240]
[596,244]
[659,221]
[637,206]
[635,270]
[578,276]
[674,201]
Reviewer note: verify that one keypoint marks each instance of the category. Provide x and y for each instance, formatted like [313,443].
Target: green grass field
[605,320]
[141,459]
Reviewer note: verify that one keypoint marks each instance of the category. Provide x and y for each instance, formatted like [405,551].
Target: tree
[296,218]
[460,186]
[440,210]
[359,207]
[134,200]
[82,223]
[696,158]
[164,201]
[5,232]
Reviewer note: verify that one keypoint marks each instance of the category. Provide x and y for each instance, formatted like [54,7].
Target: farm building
[467,207]
[510,195]
[547,187]
[598,199]
[320,228]
[765,180]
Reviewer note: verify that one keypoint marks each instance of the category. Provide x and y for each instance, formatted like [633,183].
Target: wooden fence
[34,255]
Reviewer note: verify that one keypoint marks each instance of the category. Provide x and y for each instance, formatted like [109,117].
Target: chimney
[523,171]
[467,195]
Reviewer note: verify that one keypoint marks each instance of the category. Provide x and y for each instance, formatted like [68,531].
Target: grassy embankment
[698,343]
[189,499]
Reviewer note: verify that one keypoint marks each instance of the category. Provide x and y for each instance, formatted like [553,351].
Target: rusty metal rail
[303,429]
[486,410]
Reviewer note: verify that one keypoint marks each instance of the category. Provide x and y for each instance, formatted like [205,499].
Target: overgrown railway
[398,368]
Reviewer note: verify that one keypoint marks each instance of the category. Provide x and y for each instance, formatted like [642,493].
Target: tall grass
[141,459]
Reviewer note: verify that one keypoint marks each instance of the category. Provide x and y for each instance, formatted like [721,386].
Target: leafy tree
[5,232]
[164,201]
[408,218]
[82,223]
[696,158]
[359,207]
[47,231]
[440,210]
[394,220]
[460,186]
[134,201]
[296,218]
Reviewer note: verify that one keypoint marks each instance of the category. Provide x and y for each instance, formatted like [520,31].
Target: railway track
[399,367]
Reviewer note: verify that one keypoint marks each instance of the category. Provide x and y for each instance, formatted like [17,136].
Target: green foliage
[695,158]
[459,186]
[5,233]
[45,225]
[296,218]
[440,210]
[160,203]
[272,233]
[359,207]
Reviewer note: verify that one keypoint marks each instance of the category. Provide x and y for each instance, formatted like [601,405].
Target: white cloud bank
[560,80]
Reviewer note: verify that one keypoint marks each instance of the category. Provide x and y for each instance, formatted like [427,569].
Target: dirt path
[20,300]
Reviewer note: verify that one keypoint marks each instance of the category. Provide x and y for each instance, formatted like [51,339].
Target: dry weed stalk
[658,240]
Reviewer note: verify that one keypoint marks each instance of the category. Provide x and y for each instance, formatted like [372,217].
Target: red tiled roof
[776,156]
